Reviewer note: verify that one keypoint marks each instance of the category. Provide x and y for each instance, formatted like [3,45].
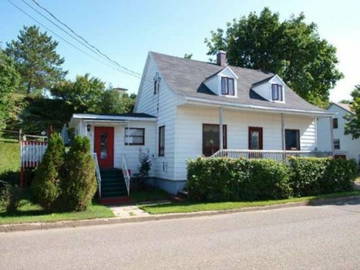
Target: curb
[116,220]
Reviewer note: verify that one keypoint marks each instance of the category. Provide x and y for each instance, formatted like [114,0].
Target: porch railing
[97,173]
[279,155]
[126,173]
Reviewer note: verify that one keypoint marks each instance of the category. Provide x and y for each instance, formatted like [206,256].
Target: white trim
[100,117]
[192,100]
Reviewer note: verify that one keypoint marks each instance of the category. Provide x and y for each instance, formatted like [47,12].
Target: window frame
[336,142]
[224,85]
[161,141]
[279,90]
[261,137]
[298,148]
[127,136]
[335,123]
[224,136]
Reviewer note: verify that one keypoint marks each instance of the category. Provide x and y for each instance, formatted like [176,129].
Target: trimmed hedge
[313,176]
[224,179]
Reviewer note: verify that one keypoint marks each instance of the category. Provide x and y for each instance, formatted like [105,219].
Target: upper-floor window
[277,92]
[335,123]
[156,84]
[227,86]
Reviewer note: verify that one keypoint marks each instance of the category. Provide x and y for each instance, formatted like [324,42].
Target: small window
[335,123]
[227,86]
[134,136]
[156,84]
[161,141]
[337,144]
[292,139]
[277,92]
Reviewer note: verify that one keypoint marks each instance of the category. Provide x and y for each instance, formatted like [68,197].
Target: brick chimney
[221,58]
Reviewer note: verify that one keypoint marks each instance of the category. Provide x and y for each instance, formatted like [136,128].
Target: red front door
[104,146]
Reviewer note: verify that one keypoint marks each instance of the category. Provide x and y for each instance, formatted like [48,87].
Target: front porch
[116,141]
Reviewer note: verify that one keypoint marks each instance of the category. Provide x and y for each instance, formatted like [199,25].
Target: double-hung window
[134,136]
[227,86]
[277,92]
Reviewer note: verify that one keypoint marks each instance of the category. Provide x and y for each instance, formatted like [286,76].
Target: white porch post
[331,136]
[221,123]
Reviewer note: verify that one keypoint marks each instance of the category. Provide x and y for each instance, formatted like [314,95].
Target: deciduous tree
[291,48]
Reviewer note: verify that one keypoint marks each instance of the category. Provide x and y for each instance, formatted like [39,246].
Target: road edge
[16,227]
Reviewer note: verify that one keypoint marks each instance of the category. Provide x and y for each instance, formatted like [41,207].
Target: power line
[68,42]
[58,26]
[133,73]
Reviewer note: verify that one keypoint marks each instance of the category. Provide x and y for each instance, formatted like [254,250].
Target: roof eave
[248,107]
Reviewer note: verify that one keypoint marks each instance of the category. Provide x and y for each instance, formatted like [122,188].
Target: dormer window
[227,86]
[277,92]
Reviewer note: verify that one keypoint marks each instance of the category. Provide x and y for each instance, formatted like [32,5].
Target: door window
[103,145]
[255,138]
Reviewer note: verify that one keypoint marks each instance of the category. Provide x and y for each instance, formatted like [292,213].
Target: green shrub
[313,176]
[307,174]
[46,184]
[10,196]
[79,184]
[222,179]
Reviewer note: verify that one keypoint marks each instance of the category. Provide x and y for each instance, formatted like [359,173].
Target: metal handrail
[97,172]
[126,173]
[268,154]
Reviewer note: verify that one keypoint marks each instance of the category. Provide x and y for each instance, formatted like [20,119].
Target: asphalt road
[310,237]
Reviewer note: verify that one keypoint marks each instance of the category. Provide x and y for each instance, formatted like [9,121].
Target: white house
[343,145]
[185,106]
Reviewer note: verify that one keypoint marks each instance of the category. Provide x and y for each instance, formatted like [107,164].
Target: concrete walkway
[128,211]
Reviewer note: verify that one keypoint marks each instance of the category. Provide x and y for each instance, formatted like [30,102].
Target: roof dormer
[271,89]
[223,83]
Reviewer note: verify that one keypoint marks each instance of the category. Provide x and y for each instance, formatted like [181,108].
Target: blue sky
[127,30]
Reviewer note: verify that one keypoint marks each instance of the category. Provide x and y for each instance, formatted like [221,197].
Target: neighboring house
[184,106]
[343,145]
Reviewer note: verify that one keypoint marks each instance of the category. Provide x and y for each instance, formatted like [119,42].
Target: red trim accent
[260,130]
[115,200]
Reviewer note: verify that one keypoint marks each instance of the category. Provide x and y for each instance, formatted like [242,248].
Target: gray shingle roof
[186,77]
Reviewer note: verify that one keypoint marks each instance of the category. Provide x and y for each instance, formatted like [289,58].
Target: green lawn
[152,194]
[185,207]
[30,212]
[10,155]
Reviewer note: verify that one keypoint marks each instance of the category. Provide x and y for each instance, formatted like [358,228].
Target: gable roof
[186,77]
[343,106]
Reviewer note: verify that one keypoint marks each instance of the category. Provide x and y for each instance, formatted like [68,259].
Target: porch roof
[114,117]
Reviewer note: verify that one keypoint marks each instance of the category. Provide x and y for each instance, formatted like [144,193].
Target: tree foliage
[352,125]
[36,59]
[9,81]
[83,94]
[290,48]
[46,185]
[113,102]
[44,114]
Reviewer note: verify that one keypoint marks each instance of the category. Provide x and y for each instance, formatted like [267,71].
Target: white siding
[189,123]
[347,144]
[147,102]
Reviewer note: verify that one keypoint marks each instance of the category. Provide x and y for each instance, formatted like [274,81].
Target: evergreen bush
[46,184]
[79,183]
